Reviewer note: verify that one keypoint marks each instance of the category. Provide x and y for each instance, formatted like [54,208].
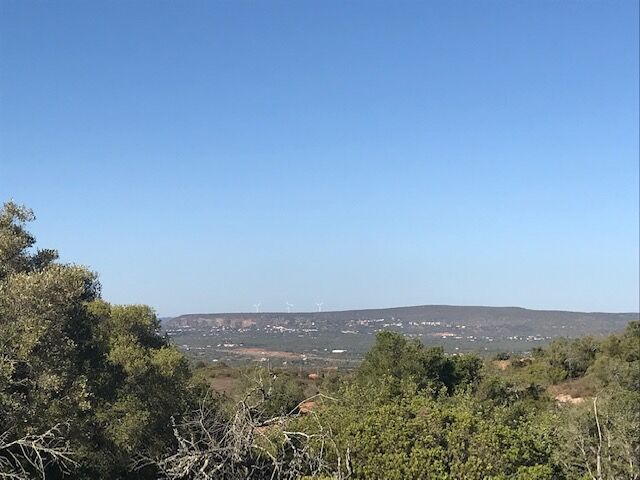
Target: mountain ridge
[502,320]
[435,305]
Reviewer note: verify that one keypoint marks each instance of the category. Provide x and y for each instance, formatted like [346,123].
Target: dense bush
[394,357]
[100,375]
[413,435]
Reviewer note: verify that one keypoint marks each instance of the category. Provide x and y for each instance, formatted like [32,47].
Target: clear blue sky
[205,156]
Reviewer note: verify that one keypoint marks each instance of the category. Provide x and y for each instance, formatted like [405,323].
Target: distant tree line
[92,390]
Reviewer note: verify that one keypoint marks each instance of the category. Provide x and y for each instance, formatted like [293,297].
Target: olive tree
[84,385]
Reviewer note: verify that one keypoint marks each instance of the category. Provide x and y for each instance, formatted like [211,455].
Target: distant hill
[497,321]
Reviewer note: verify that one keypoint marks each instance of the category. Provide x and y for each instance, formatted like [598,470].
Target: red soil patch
[564,398]
[306,407]
[502,364]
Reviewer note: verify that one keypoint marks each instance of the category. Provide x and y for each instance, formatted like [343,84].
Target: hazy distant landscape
[342,337]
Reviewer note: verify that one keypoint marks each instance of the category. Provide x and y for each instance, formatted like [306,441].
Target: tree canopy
[101,375]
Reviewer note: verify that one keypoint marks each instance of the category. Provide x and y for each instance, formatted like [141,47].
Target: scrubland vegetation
[91,390]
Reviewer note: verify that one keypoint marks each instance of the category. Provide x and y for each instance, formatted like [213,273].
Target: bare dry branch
[29,457]
[242,445]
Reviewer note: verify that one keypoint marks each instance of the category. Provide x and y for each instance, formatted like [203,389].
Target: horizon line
[279,312]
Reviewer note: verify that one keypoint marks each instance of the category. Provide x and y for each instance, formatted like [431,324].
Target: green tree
[599,439]
[401,359]
[415,436]
[273,392]
[69,359]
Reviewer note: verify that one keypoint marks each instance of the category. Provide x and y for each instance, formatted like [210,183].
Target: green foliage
[395,357]
[600,439]
[612,360]
[413,435]
[503,391]
[568,359]
[395,425]
[502,356]
[276,393]
[15,240]
[67,357]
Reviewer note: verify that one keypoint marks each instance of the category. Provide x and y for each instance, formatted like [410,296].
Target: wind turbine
[289,306]
[319,306]
[257,307]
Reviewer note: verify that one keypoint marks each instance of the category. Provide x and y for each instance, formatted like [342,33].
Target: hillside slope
[498,321]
